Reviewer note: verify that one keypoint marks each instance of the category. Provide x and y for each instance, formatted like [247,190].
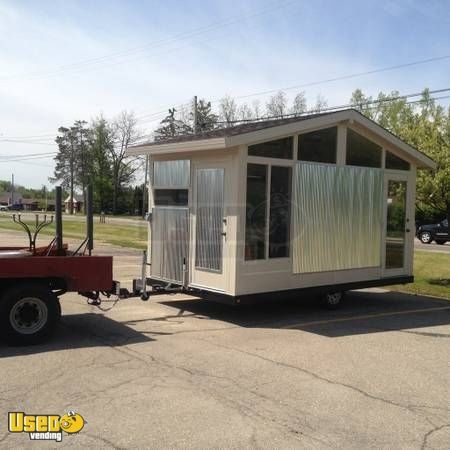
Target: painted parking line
[365,316]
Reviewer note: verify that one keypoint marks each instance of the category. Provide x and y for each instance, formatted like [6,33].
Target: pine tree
[171,127]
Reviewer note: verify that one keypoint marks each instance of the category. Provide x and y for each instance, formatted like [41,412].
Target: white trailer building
[322,202]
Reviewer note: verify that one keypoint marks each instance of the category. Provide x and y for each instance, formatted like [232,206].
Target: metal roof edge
[176,147]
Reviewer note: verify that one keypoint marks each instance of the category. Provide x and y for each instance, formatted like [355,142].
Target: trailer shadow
[81,331]
[362,312]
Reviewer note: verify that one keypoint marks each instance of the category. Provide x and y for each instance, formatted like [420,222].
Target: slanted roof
[76,199]
[252,132]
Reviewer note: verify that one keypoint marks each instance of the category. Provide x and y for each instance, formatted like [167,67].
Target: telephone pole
[145,190]
[195,115]
[12,189]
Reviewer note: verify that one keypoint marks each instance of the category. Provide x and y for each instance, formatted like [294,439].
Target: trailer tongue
[33,278]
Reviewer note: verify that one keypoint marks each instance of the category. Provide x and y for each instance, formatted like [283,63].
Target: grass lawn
[132,236]
[431,269]
[431,273]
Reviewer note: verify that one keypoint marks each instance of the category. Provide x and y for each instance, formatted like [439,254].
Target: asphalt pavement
[177,372]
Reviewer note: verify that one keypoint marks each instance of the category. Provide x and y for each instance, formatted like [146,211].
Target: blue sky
[61,61]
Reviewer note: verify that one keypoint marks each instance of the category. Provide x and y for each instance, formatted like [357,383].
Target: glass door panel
[395,224]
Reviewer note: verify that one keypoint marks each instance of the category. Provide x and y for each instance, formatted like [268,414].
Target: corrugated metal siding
[168,174]
[169,242]
[209,217]
[337,218]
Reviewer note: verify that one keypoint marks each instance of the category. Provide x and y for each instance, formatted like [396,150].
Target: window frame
[336,145]
[363,135]
[269,162]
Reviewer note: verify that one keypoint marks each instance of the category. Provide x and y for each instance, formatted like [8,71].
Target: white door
[399,225]
[209,226]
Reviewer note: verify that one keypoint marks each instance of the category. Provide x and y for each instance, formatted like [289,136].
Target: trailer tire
[29,314]
[332,300]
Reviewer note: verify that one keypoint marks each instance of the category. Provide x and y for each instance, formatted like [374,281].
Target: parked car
[4,208]
[436,232]
[16,207]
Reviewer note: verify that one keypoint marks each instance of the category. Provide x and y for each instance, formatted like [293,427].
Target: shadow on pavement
[81,331]
[362,312]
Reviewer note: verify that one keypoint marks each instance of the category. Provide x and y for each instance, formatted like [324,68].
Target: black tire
[425,237]
[440,242]
[332,300]
[29,314]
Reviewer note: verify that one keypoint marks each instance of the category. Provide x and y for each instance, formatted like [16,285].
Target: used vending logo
[41,427]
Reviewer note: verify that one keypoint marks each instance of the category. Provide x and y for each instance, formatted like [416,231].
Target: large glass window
[361,151]
[280,207]
[280,148]
[171,197]
[262,211]
[395,227]
[255,226]
[396,163]
[318,146]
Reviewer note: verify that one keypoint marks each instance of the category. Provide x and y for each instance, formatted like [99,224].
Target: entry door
[208,231]
[399,225]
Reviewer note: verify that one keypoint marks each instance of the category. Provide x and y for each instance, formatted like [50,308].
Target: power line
[345,106]
[16,141]
[343,77]
[16,159]
[29,154]
[93,62]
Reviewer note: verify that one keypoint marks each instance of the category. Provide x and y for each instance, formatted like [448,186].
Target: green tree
[171,127]
[426,126]
[66,160]
[101,145]
[206,119]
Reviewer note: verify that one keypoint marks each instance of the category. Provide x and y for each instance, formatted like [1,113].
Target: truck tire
[439,242]
[425,237]
[332,300]
[28,314]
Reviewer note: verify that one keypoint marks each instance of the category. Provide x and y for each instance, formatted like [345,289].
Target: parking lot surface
[177,372]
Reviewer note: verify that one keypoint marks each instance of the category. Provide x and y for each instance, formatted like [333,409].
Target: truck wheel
[332,300]
[425,237]
[28,314]
[440,242]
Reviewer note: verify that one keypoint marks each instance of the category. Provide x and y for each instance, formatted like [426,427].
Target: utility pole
[145,190]
[46,198]
[12,189]
[195,115]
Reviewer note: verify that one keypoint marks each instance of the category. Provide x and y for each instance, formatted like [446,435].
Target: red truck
[32,279]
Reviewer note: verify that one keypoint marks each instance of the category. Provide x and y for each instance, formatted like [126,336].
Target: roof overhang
[274,132]
[177,147]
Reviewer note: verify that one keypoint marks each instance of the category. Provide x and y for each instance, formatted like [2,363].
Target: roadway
[176,372]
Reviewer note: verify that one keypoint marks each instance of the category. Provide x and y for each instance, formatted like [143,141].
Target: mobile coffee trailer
[323,202]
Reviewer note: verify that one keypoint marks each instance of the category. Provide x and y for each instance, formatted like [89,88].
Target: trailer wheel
[332,300]
[28,314]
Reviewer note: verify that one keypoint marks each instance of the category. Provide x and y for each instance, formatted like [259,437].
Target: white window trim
[268,162]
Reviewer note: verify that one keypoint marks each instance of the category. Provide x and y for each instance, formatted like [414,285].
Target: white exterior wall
[230,157]
[249,277]
[258,276]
